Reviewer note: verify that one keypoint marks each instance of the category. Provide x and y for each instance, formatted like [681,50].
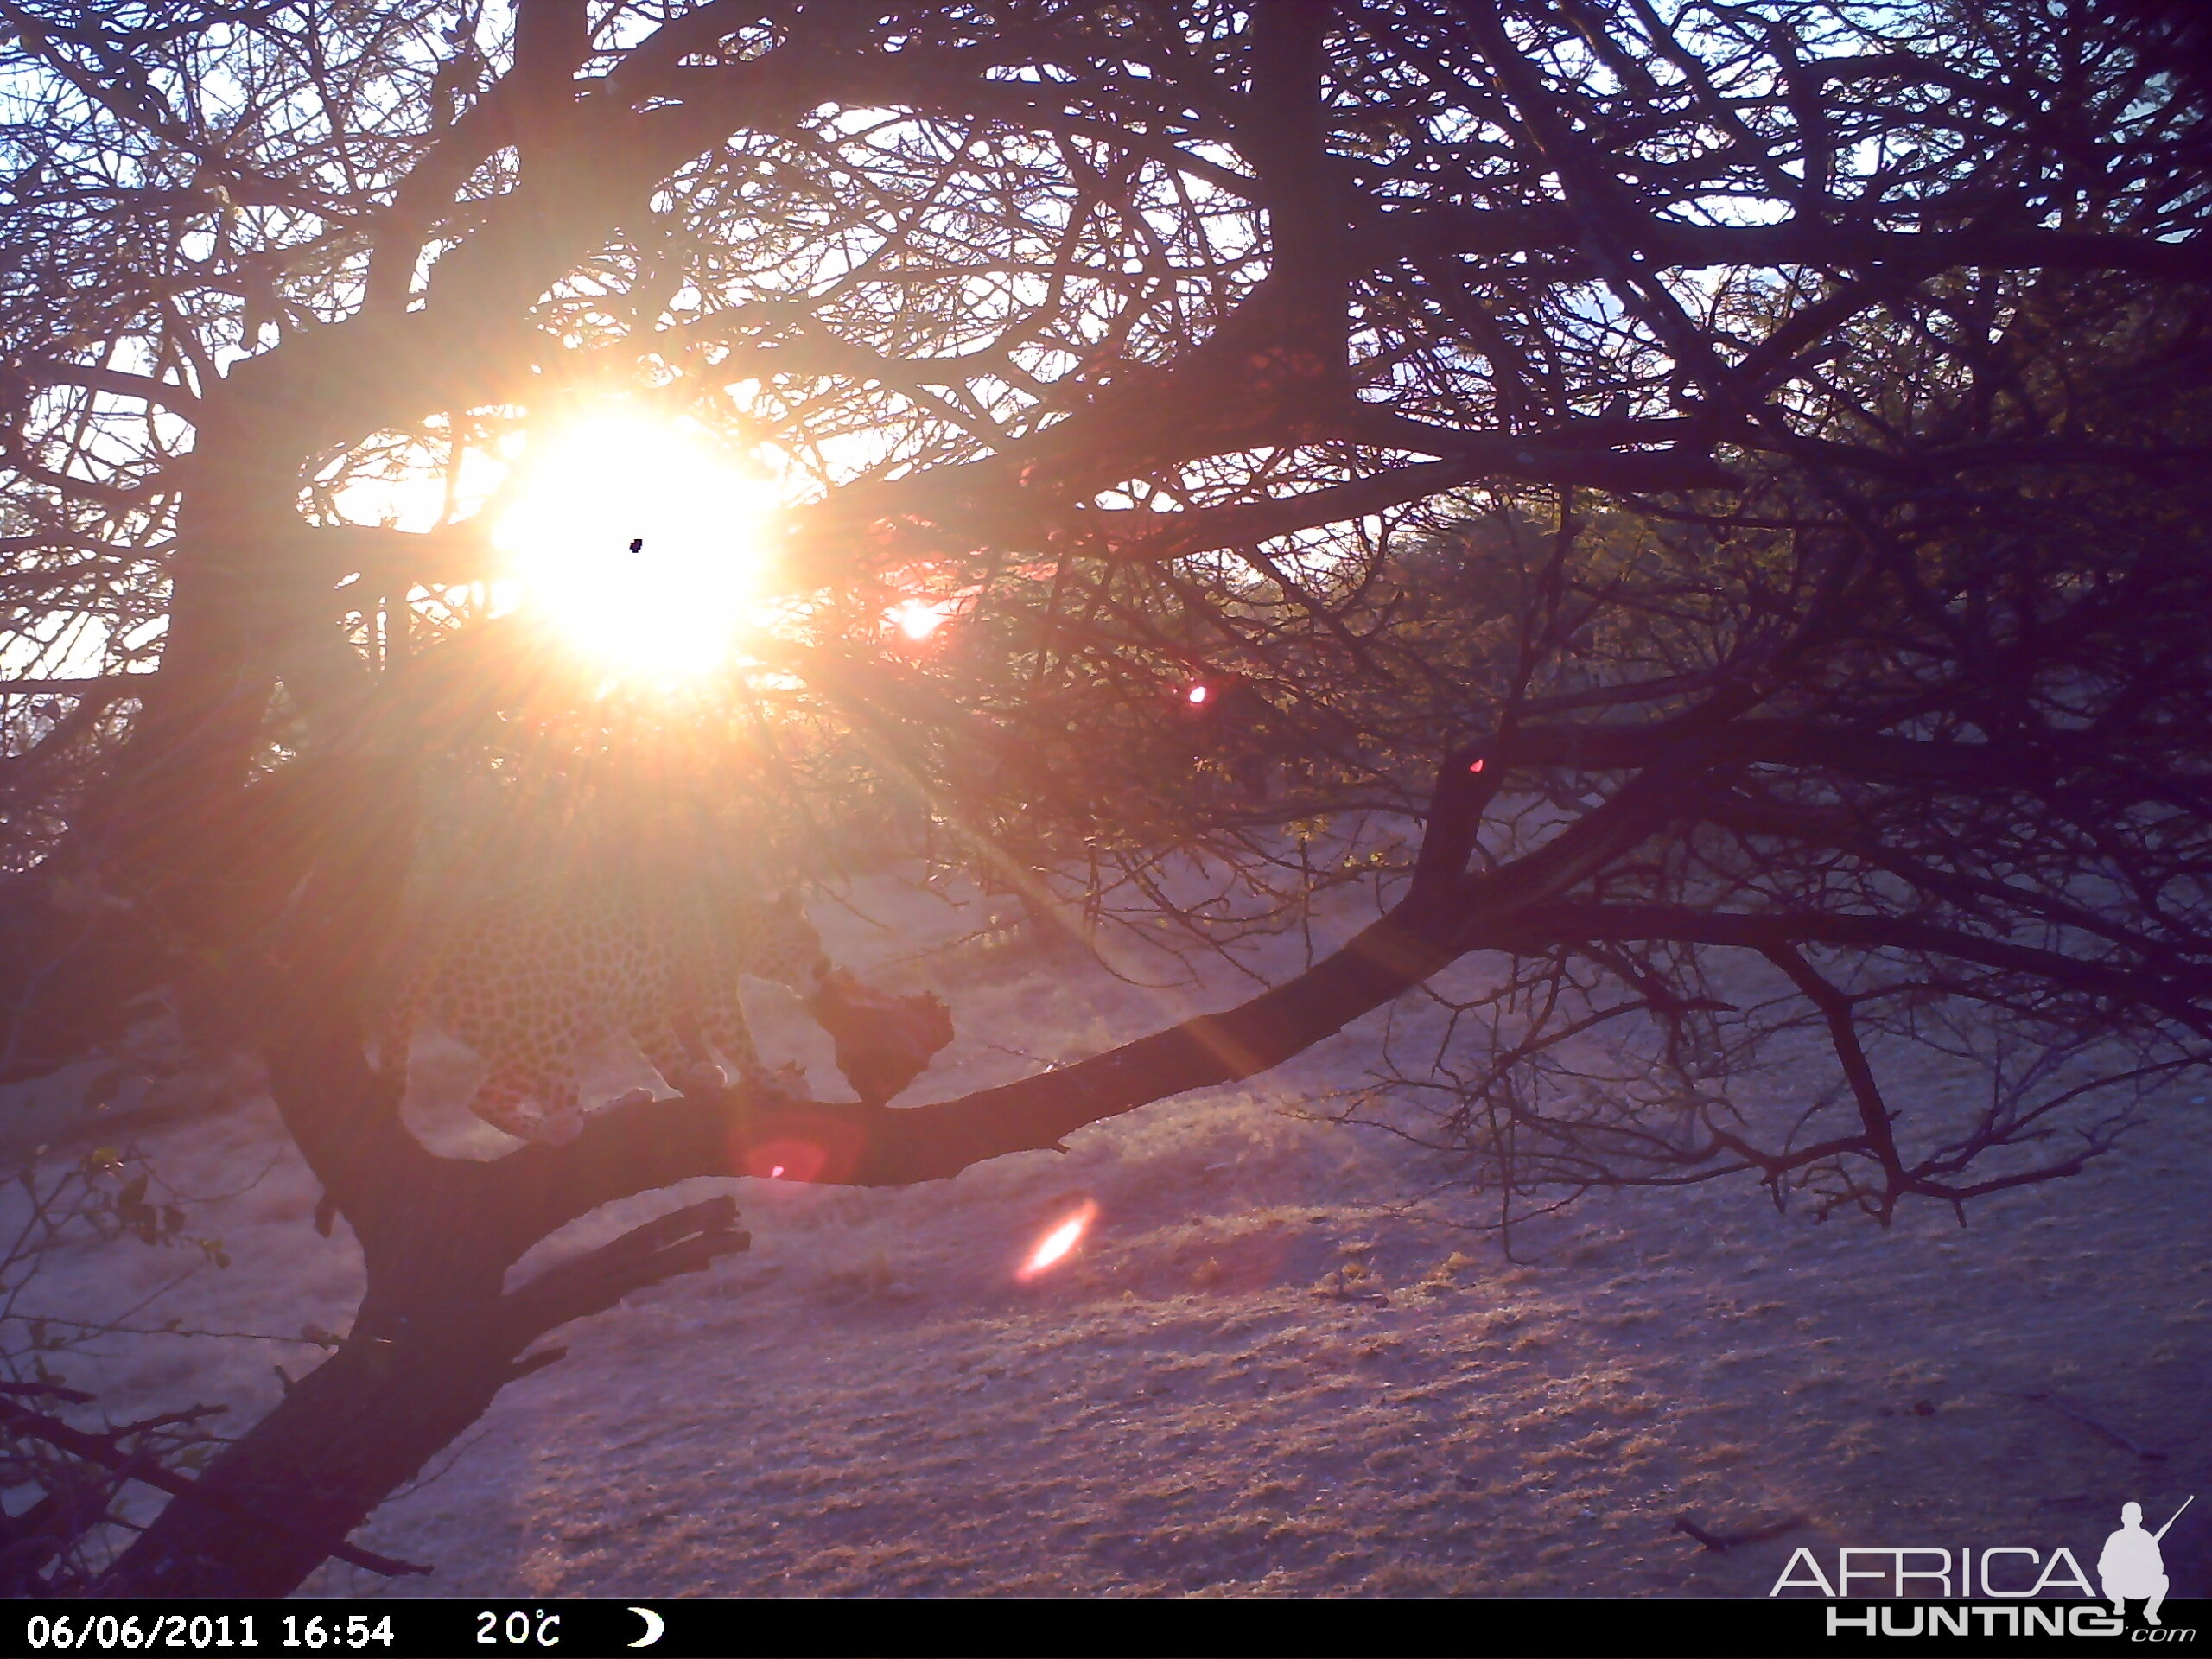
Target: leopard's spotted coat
[534,978]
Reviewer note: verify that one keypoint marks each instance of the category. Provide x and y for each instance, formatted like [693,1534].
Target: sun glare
[641,542]
[917,618]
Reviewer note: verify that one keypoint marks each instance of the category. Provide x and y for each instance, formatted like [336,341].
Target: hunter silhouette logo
[2131,1565]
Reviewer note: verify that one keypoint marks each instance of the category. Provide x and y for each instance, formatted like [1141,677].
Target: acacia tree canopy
[1734,473]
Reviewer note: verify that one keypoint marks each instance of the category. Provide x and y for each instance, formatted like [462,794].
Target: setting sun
[917,618]
[641,541]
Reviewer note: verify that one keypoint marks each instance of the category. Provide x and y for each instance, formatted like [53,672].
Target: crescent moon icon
[655,1627]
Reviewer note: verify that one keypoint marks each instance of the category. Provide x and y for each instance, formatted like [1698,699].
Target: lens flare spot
[787,1158]
[1059,1243]
[1196,694]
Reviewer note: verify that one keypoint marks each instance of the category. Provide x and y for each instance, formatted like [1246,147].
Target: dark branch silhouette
[1684,507]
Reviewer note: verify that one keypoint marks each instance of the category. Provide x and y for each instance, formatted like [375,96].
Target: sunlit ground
[642,542]
[1266,1369]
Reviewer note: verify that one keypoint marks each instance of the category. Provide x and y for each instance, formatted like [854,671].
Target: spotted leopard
[534,978]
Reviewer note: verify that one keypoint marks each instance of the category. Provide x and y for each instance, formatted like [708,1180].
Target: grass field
[1281,1362]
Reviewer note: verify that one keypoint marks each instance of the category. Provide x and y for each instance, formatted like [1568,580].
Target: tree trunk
[344,1439]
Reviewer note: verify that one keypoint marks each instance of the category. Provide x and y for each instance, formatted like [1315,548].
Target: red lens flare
[787,1159]
[1196,694]
[802,1146]
[1059,1243]
[1477,767]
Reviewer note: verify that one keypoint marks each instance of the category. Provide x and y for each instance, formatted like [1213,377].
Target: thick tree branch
[637,1148]
[140,388]
[1135,536]
[1438,229]
[1872,756]
[2182,993]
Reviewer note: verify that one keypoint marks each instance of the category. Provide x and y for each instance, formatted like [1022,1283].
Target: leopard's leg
[682,1065]
[561,1092]
[537,1065]
[723,1025]
[529,1104]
